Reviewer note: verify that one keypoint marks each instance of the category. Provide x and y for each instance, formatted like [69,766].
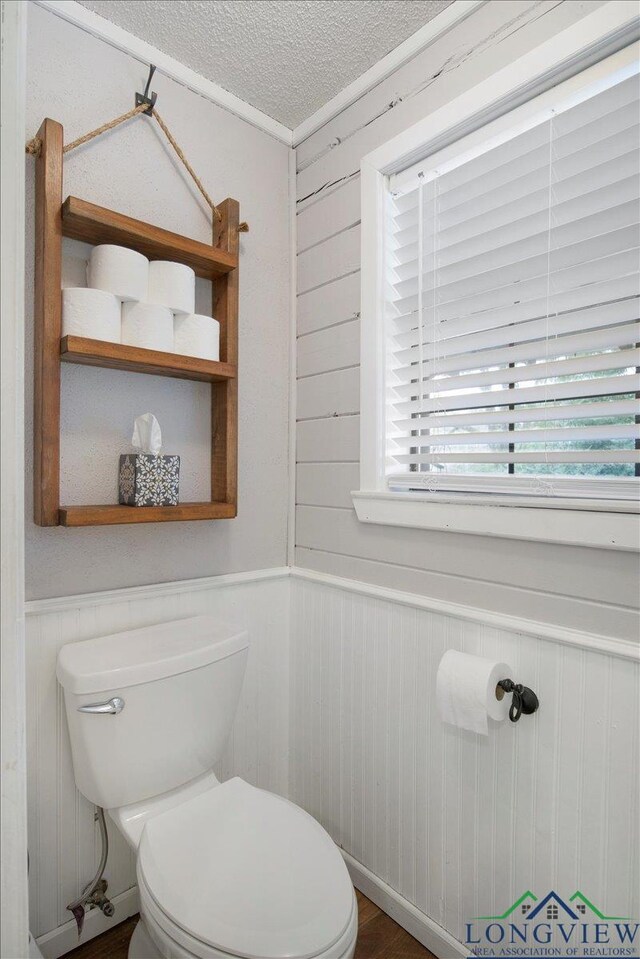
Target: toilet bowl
[224,869]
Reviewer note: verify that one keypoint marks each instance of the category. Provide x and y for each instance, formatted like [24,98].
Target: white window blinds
[511,310]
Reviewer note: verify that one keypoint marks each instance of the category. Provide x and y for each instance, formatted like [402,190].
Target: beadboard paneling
[584,588]
[458,824]
[63,840]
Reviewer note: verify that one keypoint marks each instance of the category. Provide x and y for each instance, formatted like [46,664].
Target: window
[512,309]
[506,293]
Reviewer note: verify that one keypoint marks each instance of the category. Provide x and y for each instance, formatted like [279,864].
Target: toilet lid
[248,873]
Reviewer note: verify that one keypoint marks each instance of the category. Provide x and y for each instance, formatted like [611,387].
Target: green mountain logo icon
[524,906]
[582,904]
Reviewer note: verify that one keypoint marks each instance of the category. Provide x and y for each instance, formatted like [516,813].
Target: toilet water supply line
[94,893]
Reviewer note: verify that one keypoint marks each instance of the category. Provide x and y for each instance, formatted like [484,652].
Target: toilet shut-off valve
[94,895]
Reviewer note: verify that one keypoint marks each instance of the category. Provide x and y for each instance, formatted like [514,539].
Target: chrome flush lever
[113,707]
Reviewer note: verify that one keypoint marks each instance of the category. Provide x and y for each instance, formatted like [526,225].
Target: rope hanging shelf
[81,220]
[146,105]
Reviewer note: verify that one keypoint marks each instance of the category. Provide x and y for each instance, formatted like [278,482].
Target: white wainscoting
[63,839]
[338,713]
[455,824]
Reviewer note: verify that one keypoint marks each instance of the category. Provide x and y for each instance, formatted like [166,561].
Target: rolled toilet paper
[466,691]
[148,326]
[197,335]
[90,313]
[172,285]
[120,271]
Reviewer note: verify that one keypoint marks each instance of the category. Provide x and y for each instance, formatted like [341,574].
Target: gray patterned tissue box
[148,480]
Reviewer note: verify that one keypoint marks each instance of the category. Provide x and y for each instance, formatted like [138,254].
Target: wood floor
[379,937]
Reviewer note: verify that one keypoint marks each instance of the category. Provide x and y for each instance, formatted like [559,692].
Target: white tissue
[466,691]
[90,313]
[120,271]
[148,326]
[147,436]
[197,335]
[172,285]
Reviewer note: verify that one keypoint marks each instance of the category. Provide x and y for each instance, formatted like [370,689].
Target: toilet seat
[157,943]
[238,871]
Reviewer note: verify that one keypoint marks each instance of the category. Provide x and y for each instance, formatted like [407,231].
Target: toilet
[224,869]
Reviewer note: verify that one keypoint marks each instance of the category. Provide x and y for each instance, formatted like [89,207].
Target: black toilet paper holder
[524,699]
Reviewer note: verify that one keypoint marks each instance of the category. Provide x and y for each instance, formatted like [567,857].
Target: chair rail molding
[596,642]
[610,645]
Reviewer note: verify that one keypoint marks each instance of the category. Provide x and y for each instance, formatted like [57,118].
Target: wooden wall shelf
[115,515]
[117,356]
[93,224]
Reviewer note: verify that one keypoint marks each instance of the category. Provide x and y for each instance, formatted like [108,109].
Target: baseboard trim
[65,938]
[609,645]
[129,594]
[436,939]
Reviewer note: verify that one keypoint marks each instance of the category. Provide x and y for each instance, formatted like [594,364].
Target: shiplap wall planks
[63,839]
[494,35]
[458,824]
[585,588]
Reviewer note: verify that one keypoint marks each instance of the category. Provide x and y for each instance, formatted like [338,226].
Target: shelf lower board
[117,356]
[115,515]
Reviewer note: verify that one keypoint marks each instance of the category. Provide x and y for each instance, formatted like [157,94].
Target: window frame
[610,32]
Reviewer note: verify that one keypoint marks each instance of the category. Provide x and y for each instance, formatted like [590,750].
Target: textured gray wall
[82,82]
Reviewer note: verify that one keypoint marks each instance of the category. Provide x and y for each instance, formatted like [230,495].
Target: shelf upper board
[95,224]
[117,356]
[115,515]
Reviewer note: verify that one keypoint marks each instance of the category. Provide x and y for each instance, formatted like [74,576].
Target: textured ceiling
[285,57]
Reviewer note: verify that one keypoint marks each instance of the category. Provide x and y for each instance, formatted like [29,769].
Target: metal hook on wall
[144,97]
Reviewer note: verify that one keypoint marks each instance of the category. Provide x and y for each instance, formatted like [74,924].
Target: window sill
[609,526]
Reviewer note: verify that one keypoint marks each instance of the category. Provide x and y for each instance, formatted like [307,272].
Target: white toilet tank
[169,694]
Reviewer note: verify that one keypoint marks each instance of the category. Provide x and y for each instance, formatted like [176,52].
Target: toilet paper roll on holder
[524,699]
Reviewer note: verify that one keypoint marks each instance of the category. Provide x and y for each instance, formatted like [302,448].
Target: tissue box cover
[148,480]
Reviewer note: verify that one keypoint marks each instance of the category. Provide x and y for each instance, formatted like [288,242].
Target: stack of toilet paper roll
[139,303]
